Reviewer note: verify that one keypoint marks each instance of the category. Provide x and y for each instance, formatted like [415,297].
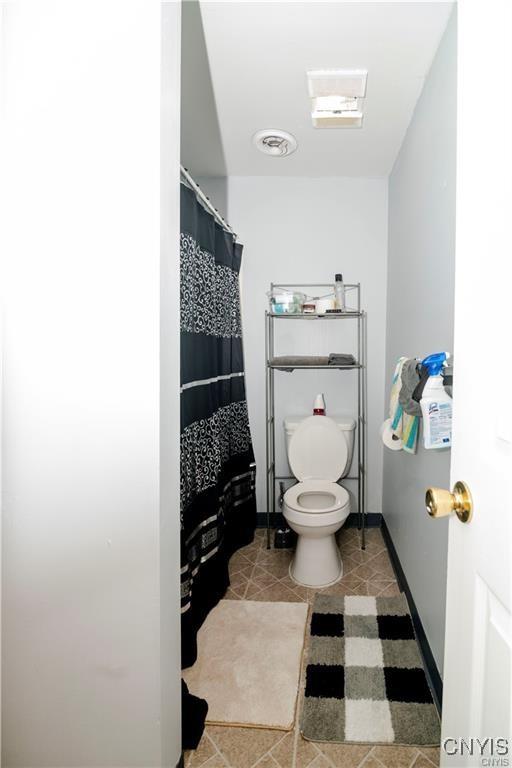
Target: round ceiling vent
[274,142]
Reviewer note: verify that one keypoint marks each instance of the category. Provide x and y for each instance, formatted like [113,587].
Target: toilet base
[317,562]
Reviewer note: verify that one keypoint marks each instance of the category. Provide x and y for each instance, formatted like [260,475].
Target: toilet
[319,452]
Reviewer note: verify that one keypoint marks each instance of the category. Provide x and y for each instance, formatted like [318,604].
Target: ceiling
[253,76]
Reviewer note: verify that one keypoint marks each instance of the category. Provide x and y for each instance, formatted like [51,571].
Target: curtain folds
[218,507]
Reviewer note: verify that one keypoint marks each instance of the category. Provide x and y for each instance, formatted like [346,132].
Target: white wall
[420,321]
[300,230]
[169,464]
[83,682]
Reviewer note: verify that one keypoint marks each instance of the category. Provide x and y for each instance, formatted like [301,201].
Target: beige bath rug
[248,665]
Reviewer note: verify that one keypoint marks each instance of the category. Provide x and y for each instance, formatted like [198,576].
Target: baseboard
[373,520]
[431,670]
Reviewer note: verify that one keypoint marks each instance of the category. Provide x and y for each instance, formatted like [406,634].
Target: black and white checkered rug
[365,681]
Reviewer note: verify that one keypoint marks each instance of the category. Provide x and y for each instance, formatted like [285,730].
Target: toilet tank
[346,424]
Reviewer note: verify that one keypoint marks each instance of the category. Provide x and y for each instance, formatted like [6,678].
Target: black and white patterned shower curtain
[218,507]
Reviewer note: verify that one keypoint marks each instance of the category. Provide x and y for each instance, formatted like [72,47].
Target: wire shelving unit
[357,314]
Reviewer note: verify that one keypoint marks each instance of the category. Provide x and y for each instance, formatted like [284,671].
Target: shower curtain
[218,507]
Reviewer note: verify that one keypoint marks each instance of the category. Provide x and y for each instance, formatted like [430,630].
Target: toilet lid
[317,450]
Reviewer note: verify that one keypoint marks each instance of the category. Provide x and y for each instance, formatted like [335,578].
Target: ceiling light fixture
[337,97]
[275,142]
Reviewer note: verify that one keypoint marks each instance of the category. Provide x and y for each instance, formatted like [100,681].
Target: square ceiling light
[337,96]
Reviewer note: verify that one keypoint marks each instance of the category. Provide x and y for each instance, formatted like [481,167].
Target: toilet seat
[296,497]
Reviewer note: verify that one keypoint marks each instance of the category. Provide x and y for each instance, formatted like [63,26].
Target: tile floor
[261,574]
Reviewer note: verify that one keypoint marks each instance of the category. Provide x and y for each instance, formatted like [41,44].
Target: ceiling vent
[274,142]
[337,97]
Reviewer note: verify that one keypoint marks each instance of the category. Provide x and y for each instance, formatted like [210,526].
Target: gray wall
[201,143]
[299,229]
[420,321]
[216,188]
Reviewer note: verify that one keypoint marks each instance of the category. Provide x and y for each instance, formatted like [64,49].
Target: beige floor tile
[350,579]
[306,753]
[422,762]
[217,761]
[264,579]
[286,581]
[350,550]
[381,559]
[301,592]
[432,753]
[259,570]
[371,762]
[391,591]
[274,556]
[235,594]
[237,561]
[345,755]
[374,535]
[242,747]
[238,580]
[340,588]
[376,586]
[319,762]
[365,570]
[361,589]
[266,762]
[242,569]
[349,565]
[277,593]
[253,590]
[283,752]
[198,757]
[252,554]
[359,555]
[395,757]
[279,568]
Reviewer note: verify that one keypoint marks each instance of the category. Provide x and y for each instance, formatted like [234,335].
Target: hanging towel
[410,380]
[289,362]
[403,425]
[339,358]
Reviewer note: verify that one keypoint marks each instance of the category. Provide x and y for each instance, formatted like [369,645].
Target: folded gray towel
[289,362]
[338,358]
[410,380]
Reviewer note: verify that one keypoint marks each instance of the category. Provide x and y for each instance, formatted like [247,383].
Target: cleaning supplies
[436,404]
[339,291]
[319,406]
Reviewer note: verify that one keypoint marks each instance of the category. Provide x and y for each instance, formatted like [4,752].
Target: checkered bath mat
[364,679]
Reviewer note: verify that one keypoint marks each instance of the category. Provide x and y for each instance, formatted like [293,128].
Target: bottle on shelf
[339,291]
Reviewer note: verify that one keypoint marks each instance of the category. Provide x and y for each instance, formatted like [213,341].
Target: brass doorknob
[440,503]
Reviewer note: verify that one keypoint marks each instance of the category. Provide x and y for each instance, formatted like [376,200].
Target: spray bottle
[436,404]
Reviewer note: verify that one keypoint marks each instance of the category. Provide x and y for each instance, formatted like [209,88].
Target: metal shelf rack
[360,366]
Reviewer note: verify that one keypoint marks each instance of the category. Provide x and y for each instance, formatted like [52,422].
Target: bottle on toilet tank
[319,406]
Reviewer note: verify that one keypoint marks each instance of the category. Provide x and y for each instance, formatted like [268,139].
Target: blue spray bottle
[436,404]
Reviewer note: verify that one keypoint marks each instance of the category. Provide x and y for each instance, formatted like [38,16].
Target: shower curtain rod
[206,200]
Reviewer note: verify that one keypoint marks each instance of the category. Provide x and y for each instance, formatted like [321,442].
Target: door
[477,685]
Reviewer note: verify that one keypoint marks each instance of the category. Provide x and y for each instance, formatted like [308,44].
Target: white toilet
[319,453]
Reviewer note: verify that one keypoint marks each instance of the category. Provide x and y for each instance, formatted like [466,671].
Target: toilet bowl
[319,452]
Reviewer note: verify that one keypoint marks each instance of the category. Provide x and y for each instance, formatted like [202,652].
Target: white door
[477,684]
